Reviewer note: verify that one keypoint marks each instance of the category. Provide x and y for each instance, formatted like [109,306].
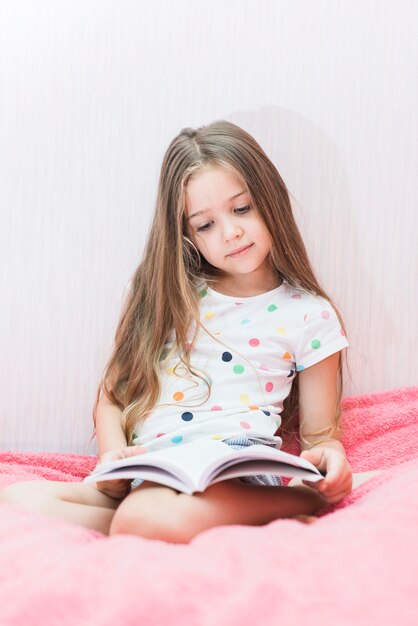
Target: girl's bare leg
[75,502]
[158,512]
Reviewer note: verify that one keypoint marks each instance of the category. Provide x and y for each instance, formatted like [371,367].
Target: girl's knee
[126,523]
[153,516]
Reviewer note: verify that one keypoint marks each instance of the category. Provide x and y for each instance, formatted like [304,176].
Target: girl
[225,333]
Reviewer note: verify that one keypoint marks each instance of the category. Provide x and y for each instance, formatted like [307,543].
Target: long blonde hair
[163,294]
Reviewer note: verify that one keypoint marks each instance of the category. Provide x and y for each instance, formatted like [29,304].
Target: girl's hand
[338,480]
[117,489]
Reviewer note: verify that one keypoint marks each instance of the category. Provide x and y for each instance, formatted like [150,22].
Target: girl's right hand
[116,489]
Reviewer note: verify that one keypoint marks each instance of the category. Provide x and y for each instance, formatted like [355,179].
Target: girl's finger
[328,491]
[312,485]
[132,451]
[321,485]
[341,488]
[336,469]
[316,457]
[334,499]
[335,477]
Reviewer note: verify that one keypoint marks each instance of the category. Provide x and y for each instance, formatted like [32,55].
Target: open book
[194,466]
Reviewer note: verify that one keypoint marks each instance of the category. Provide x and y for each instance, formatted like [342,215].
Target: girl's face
[227,230]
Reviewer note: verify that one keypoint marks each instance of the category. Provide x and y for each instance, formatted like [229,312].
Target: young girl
[225,333]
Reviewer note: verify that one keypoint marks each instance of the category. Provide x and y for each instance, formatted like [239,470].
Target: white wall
[93,91]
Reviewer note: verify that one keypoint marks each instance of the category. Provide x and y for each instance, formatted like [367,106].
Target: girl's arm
[109,430]
[112,445]
[317,408]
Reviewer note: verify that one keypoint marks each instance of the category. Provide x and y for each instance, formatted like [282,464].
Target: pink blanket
[356,565]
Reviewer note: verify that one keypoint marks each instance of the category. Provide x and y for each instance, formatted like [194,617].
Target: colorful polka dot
[254,408]
[281,330]
[244,398]
[178,395]
[287,356]
[271,308]
[266,412]
[160,435]
[203,293]
[217,436]
[209,315]
[226,356]
[315,343]
[297,296]
[305,317]
[325,315]
[187,416]
[269,386]
[177,439]
[245,322]
[245,425]
[254,342]
[238,369]
[238,303]
[290,373]
[216,407]
[264,367]
[299,368]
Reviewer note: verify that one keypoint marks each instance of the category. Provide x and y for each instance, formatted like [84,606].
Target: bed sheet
[358,564]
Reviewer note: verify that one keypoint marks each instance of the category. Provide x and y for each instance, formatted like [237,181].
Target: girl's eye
[243,209]
[239,210]
[204,227]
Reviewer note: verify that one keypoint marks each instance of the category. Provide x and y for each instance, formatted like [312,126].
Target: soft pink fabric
[356,565]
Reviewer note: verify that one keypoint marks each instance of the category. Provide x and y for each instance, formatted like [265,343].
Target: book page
[196,464]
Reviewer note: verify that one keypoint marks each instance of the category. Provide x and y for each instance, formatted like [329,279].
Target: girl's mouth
[240,252]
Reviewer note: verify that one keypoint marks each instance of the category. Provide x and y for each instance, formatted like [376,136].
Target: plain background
[91,94]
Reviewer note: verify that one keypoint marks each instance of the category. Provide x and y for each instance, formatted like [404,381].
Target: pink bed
[358,564]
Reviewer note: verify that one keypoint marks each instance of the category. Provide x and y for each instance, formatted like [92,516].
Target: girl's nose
[232,231]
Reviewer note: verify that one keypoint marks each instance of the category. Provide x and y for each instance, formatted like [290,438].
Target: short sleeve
[321,333]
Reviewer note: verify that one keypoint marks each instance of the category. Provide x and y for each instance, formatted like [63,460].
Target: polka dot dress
[249,350]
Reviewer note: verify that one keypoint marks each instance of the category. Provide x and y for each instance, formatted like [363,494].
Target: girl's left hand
[338,480]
